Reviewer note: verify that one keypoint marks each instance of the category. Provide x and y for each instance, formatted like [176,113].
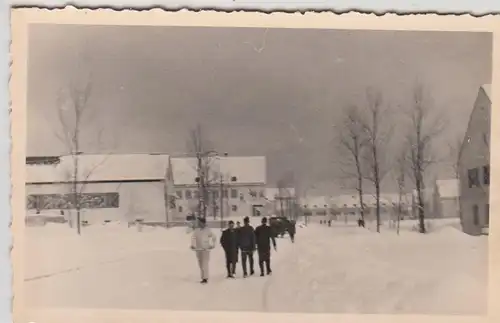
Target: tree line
[376,139]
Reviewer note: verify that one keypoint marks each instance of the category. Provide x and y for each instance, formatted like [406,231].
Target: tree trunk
[377,209]
[421,210]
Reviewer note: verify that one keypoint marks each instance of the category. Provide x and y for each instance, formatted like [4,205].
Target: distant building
[446,198]
[316,205]
[348,206]
[281,202]
[111,187]
[242,192]
[474,167]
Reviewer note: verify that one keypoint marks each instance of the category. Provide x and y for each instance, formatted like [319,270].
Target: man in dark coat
[264,236]
[229,242]
[291,230]
[246,243]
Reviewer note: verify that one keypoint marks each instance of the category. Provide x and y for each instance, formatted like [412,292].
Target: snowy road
[341,270]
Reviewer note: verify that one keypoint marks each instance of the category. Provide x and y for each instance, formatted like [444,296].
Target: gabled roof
[247,170]
[484,89]
[93,167]
[487,90]
[448,188]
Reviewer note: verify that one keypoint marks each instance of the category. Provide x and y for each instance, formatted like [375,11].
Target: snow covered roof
[93,167]
[247,170]
[315,201]
[448,188]
[352,200]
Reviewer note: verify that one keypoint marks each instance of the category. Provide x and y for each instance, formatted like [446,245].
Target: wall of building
[237,204]
[475,154]
[448,207]
[143,200]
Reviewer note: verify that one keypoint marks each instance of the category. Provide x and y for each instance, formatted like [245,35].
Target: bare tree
[423,129]
[285,196]
[401,170]
[281,195]
[377,131]
[199,146]
[352,145]
[454,153]
[75,116]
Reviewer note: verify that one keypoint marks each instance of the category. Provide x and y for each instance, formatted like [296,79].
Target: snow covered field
[338,269]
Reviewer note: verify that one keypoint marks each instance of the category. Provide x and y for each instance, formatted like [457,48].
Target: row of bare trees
[375,140]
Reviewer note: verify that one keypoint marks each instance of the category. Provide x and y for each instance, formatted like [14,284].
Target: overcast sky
[276,93]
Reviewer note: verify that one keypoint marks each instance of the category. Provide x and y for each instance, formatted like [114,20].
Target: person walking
[246,243]
[238,227]
[292,230]
[202,242]
[264,236]
[229,242]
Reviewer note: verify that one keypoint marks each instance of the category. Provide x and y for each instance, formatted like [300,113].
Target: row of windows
[66,201]
[475,215]
[475,179]
[233,193]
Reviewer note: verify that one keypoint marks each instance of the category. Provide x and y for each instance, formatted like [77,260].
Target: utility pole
[221,198]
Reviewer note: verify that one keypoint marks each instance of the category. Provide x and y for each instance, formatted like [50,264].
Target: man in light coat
[202,241]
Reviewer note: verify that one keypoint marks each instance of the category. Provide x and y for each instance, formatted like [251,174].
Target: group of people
[244,240]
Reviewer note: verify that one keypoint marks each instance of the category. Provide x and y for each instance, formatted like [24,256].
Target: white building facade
[474,167]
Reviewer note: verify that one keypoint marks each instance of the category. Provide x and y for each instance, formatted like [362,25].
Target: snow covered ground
[338,269]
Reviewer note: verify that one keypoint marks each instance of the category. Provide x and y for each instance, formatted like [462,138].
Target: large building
[112,187]
[152,187]
[474,167]
[236,183]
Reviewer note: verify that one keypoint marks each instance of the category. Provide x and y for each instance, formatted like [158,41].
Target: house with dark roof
[474,167]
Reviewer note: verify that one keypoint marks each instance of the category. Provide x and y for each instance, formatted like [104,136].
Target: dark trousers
[231,259]
[265,258]
[244,256]
[292,237]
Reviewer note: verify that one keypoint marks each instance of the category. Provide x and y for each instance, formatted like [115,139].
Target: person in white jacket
[203,241]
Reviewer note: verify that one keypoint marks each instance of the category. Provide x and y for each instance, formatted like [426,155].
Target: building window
[473,175]
[242,197]
[487,215]
[475,215]
[486,175]
[189,195]
[179,194]
[196,194]
[262,194]
[234,208]
[215,194]
[180,209]
[234,193]
[225,193]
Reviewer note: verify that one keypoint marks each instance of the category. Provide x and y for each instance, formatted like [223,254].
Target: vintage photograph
[253,169]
